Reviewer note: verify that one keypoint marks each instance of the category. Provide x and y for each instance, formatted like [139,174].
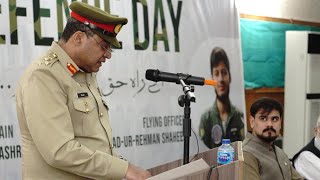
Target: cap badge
[117,28]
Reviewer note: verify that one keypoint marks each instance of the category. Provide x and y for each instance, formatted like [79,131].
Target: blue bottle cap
[225,141]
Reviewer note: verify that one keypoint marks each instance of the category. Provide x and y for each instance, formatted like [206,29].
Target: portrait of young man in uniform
[64,123]
[222,120]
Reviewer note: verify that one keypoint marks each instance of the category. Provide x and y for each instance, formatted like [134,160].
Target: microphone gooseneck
[156,75]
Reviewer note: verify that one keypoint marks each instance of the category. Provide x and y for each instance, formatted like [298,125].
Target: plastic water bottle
[225,153]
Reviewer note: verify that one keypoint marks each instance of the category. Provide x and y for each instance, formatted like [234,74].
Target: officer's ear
[78,37]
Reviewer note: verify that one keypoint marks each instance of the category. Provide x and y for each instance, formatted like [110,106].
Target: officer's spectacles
[106,48]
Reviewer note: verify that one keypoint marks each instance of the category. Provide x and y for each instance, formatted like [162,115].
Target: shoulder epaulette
[49,59]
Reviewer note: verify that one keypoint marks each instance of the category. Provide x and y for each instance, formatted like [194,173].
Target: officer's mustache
[269,128]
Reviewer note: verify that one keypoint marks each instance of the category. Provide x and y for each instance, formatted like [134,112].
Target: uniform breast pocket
[84,116]
[85,105]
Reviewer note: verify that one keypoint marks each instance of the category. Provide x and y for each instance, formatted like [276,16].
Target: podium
[203,167]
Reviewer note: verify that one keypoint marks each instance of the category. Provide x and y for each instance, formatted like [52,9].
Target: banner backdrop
[169,35]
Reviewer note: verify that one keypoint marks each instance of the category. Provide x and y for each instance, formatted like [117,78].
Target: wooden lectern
[204,165]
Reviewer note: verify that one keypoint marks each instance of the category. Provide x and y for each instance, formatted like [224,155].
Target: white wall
[306,10]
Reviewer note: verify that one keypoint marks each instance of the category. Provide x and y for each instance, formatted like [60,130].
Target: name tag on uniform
[233,129]
[83,94]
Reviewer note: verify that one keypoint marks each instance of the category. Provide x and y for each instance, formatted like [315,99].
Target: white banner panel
[169,35]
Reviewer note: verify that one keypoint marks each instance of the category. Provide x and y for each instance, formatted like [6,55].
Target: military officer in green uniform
[64,123]
[222,120]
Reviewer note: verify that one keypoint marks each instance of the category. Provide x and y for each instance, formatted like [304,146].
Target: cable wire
[197,145]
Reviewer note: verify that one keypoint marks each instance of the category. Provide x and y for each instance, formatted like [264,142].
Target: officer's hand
[136,173]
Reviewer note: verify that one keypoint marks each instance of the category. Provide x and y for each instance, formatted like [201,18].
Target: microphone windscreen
[210,82]
[151,74]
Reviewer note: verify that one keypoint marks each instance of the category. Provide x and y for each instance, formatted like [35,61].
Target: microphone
[156,75]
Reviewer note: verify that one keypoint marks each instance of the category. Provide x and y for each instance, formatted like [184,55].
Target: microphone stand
[184,101]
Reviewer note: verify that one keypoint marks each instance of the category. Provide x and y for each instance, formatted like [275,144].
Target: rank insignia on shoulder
[82,94]
[48,60]
[50,56]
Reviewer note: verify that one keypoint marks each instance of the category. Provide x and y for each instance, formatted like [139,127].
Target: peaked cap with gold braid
[105,25]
